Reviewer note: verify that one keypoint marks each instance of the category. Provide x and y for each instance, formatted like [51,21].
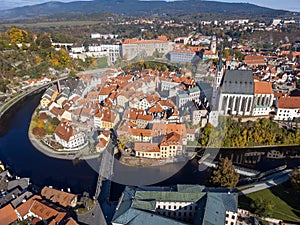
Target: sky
[292,5]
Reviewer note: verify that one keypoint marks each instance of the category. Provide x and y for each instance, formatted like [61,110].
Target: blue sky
[293,5]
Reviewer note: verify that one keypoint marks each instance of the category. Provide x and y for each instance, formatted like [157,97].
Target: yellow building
[171,145]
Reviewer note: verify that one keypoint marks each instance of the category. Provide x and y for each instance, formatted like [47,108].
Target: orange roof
[105,91]
[156,109]
[64,131]
[63,198]
[261,87]
[47,211]
[7,215]
[183,50]
[254,59]
[163,129]
[106,114]
[102,143]
[136,41]
[208,52]
[289,103]
[24,208]
[146,147]
[171,139]
[140,132]
[296,54]
[71,221]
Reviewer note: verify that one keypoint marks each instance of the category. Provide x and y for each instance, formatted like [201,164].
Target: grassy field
[284,198]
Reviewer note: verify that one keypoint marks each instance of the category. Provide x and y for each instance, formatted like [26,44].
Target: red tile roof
[146,147]
[47,211]
[7,215]
[261,87]
[63,198]
[289,103]
[254,59]
[24,208]
[64,131]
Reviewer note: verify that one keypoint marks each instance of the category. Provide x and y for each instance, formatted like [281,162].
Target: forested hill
[136,7]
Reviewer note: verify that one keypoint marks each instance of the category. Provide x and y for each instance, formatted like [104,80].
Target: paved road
[275,179]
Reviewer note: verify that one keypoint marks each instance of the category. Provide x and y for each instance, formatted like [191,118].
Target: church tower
[219,71]
[213,45]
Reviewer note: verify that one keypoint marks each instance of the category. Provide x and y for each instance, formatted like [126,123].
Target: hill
[138,8]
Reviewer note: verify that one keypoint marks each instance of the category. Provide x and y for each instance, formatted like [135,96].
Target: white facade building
[68,137]
[288,108]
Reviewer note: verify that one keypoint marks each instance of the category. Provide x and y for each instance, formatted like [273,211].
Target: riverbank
[66,155]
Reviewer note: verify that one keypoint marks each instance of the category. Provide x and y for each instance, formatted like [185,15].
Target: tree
[262,207]
[224,175]
[295,177]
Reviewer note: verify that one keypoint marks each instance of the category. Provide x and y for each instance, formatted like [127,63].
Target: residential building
[62,198]
[184,96]
[288,108]
[103,140]
[105,118]
[171,145]
[45,211]
[147,150]
[140,135]
[68,136]
[77,48]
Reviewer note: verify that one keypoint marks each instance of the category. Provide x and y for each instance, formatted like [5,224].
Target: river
[24,160]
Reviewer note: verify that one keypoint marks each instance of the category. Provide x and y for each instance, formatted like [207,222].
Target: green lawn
[284,198]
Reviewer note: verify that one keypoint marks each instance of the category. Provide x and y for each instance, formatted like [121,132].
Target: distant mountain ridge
[136,7]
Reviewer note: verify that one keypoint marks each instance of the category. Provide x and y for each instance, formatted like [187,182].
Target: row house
[171,145]
[147,150]
[138,117]
[140,135]
[288,108]
[146,102]
[160,130]
[49,96]
[105,118]
[68,136]
[62,198]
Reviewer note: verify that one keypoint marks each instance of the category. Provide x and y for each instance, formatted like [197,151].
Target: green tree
[224,174]
[262,207]
[295,177]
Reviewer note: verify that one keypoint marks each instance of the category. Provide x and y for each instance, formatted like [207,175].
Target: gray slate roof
[238,82]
